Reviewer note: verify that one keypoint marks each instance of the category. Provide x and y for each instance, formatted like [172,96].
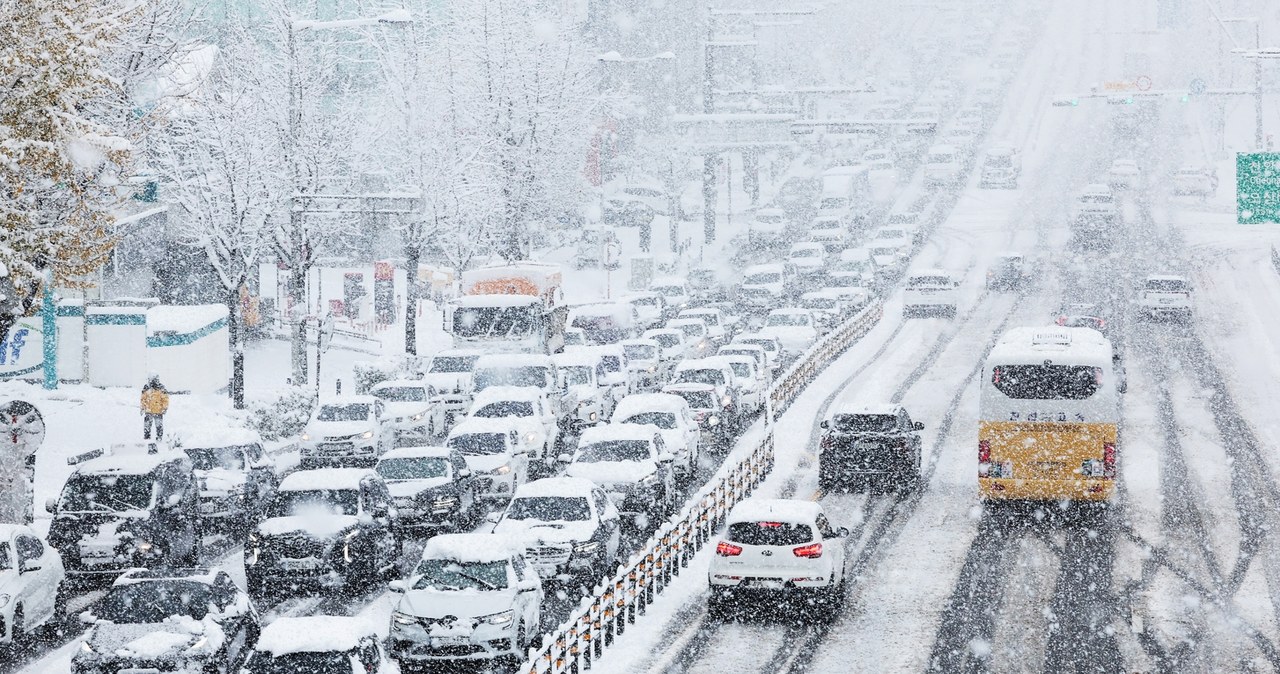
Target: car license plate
[208,508]
[138,670]
[335,448]
[763,584]
[308,564]
[440,642]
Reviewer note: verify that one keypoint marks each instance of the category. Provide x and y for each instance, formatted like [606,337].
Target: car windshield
[769,533]
[648,302]
[448,574]
[928,281]
[824,303]
[767,344]
[517,321]
[666,339]
[1047,382]
[941,157]
[315,503]
[884,250]
[452,364]
[505,408]
[769,218]
[479,444]
[889,234]
[706,375]
[833,203]
[741,369]
[706,317]
[611,363]
[209,458]
[763,278]
[806,251]
[663,420]
[787,320]
[572,338]
[1168,285]
[1095,198]
[302,663]
[402,394]
[668,291]
[640,351]
[532,375]
[549,509]
[999,161]
[692,329]
[107,493]
[347,412]
[413,468]
[698,400]
[153,601]
[576,375]
[613,450]
[865,423]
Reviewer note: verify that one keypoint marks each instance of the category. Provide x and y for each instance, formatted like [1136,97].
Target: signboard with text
[1257,188]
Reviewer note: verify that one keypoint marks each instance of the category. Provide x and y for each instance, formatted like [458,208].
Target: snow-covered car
[170,620]
[574,337]
[855,261]
[1165,295]
[753,351]
[529,409]
[709,411]
[827,308]
[527,370]
[569,527]
[346,429]
[930,292]
[763,286]
[777,549]
[1195,180]
[1124,174]
[415,417]
[809,260]
[650,306]
[1083,315]
[705,285]
[124,507]
[942,165]
[614,375]
[767,227]
[794,327]
[718,327]
[715,371]
[964,139]
[849,290]
[832,238]
[1001,167]
[470,597]
[696,335]
[433,488]
[751,382]
[1096,202]
[608,322]
[587,400]
[671,414]
[1008,272]
[862,442]
[772,347]
[647,367]
[235,475]
[31,578]
[674,289]
[319,645]
[449,373]
[675,347]
[631,463]
[498,453]
[328,527]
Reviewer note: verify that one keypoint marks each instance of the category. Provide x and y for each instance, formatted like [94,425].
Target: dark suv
[126,507]
[878,443]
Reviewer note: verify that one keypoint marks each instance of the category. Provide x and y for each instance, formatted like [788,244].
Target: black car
[432,488]
[1083,315]
[870,443]
[1008,272]
[124,507]
[328,527]
[169,621]
[236,479]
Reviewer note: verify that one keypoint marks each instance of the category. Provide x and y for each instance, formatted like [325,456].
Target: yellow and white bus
[1048,415]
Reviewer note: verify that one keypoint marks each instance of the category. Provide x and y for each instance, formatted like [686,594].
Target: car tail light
[1062,320]
[1109,460]
[727,549]
[812,551]
[984,451]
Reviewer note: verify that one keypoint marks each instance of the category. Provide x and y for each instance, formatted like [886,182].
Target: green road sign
[1257,188]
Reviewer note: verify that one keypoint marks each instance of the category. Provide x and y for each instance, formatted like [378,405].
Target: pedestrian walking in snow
[155,402]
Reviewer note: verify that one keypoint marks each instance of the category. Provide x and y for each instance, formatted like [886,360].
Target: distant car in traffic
[862,443]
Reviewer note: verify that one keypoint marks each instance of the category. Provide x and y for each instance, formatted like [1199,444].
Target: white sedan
[31,576]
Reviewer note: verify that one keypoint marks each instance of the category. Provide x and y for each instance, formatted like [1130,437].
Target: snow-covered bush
[284,416]
[370,373]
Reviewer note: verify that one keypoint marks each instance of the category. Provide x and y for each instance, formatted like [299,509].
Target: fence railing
[618,601]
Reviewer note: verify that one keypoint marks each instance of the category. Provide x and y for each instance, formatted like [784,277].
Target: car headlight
[653,368]
[346,544]
[585,548]
[726,401]
[713,420]
[199,643]
[85,647]
[418,416]
[4,600]
[306,437]
[444,502]
[501,470]
[146,548]
[403,618]
[366,435]
[529,437]
[500,618]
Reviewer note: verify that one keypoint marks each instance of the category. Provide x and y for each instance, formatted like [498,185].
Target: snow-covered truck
[509,308]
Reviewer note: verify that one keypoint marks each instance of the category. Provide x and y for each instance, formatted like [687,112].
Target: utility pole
[708,158]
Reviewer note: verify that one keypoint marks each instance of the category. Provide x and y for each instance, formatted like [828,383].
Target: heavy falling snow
[639,336]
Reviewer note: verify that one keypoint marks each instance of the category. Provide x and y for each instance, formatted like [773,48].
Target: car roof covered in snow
[313,634]
[770,211]
[469,547]
[649,402]
[325,478]
[224,436]
[685,321]
[513,360]
[447,353]
[877,409]
[668,281]
[688,386]
[607,432]
[1095,188]
[416,453]
[1166,277]
[597,349]
[576,357]
[774,268]
[556,486]
[129,459]
[472,425]
[710,362]
[196,574]
[399,383]
[1034,345]
[497,394]
[349,400]
[775,510]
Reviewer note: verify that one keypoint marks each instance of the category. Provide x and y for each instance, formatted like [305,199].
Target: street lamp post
[1257,75]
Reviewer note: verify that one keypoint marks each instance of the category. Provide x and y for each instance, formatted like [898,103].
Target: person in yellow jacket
[155,402]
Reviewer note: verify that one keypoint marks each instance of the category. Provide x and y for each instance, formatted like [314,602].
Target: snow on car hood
[337,429]
[812,262]
[220,480]
[470,603]
[530,532]
[483,463]
[403,488]
[155,641]
[317,526]
[448,381]
[605,473]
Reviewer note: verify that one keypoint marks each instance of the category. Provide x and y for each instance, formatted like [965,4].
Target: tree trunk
[412,253]
[297,296]
[235,336]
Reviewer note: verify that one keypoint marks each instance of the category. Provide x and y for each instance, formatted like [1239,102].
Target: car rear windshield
[766,344]
[505,408]
[413,468]
[741,369]
[865,423]
[402,394]
[762,279]
[479,444]
[1047,382]
[663,420]
[613,450]
[533,376]
[700,376]
[787,320]
[928,281]
[549,509]
[154,601]
[452,364]
[1168,285]
[692,329]
[770,533]
[351,412]
[819,303]
[209,458]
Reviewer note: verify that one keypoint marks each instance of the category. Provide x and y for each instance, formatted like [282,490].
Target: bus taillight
[984,451]
[1109,460]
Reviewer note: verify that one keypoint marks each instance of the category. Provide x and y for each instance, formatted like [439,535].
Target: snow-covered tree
[60,160]
[227,180]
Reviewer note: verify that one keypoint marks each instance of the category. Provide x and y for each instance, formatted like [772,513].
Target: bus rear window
[1047,382]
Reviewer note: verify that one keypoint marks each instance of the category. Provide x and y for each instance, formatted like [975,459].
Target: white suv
[1166,296]
[930,291]
[31,577]
[777,547]
[347,429]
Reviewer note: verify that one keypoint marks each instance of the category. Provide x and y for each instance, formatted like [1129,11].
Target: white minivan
[942,165]
[930,292]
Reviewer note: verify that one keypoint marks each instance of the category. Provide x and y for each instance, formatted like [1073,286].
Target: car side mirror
[464,473]
[493,518]
[51,505]
[564,458]
[398,586]
[919,426]
[666,457]
[528,585]
[842,532]
[87,618]
[27,568]
[824,424]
